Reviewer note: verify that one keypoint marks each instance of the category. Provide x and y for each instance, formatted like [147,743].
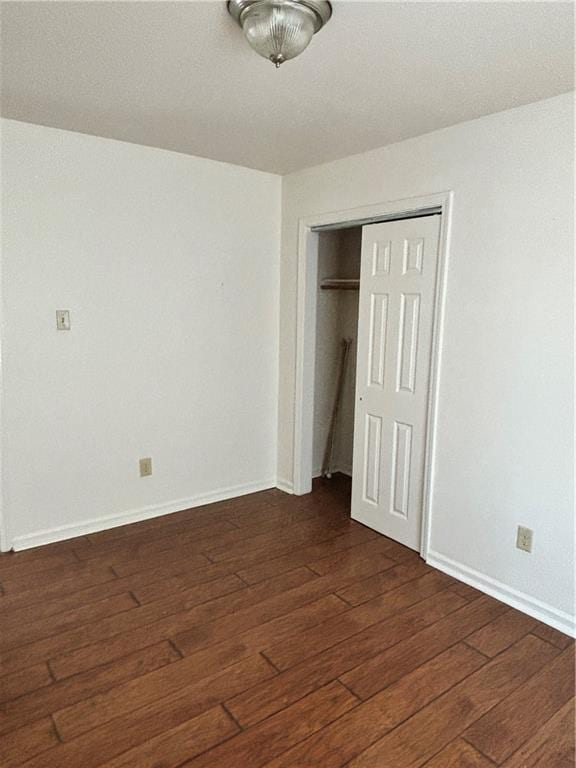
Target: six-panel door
[397,295]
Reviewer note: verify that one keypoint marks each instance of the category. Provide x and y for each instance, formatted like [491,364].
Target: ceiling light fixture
[279,30]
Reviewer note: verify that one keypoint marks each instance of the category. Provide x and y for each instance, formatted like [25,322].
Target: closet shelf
[340,284]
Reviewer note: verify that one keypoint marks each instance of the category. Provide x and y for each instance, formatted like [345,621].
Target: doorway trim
[309,229]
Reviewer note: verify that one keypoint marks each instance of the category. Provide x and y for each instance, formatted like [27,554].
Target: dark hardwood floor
[269,631]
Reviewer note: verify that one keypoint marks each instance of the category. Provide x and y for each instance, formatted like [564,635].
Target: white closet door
[397,293]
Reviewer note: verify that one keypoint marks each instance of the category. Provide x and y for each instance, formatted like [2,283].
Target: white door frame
[306,333]
[5,536]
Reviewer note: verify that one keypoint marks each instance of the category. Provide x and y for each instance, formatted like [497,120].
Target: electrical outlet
[63,319]
[524,539]
[145,467]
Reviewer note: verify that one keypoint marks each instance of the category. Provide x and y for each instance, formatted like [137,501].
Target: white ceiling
[179,75]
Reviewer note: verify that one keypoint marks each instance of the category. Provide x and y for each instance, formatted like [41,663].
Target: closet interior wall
[336,319]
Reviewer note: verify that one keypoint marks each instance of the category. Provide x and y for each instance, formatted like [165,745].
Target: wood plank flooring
[272,631]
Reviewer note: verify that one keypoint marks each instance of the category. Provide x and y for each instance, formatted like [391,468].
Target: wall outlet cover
[524,539]
[145,467]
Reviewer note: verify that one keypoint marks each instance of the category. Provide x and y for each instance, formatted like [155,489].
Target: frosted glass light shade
[278,31]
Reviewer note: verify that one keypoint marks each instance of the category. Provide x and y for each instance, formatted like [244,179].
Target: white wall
[336,319]
[169,265]
[505,427]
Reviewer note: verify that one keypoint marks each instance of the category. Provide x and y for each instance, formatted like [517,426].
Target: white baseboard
[64,532]
[284,485]
[544,612]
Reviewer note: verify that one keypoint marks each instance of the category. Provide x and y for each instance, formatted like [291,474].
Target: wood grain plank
[176,571]
[170,749]
[430,730]
[267,698]
[83,573]
[51,698]
[15,564]
[355,562]
[308,554]
[256,747]
[84,657]
[321,585]
[157,537]
[167,615]
[464,590]
[138,565]
[378,547]
[382,668]
[355,731]
[174,576]
[17,634]
[552,746]
[304,611]
[194,540]
[16,613]
[366,589]
[553,636]
[501,633]
[260,637]
[459,754]
[270,543]
[246,551]
[137,553]
[148,721]
[38,593]
[196,594]
[27,742]
[285,653]
[504,729]
[24,681]
[177,682]
[277,513]
[199,665]
[150,586]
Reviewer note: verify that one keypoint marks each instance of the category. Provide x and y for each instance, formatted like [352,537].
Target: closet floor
[269,630]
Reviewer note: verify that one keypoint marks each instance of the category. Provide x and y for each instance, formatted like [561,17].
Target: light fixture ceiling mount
[279,30]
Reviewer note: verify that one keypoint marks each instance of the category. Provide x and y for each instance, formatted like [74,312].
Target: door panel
[378,323]
[397,295]
[373,436]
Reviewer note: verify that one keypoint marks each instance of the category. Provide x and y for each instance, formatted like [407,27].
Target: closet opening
[337,286]
[370,303]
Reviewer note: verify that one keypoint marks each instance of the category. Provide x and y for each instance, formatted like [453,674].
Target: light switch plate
[63,319]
